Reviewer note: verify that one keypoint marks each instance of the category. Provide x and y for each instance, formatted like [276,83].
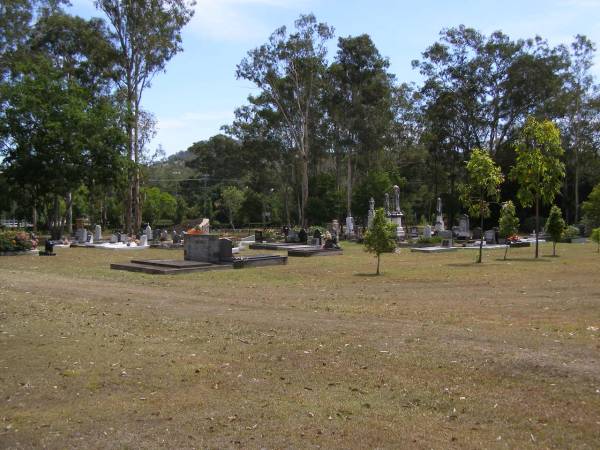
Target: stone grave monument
[97,233]
[396,215]
[439,218]
[371,213]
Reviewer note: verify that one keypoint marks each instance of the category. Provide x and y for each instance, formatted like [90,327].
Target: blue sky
[199,91]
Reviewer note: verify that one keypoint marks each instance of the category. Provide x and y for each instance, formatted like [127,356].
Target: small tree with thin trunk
[509,223]
[484,179]
[596,237]
[233,198]
[555,226]
[381,237]
[538,169]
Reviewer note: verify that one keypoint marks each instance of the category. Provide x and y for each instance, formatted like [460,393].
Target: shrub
[571,232]
[15,241]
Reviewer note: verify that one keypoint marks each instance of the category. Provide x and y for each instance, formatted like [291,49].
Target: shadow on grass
[522,259]
[360,274]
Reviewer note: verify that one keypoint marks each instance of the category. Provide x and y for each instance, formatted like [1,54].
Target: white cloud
[235,20]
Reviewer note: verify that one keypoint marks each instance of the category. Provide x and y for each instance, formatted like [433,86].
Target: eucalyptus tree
[360,104]
[581,124]
[485,86]
[289,71]
[538,169]
[147,34]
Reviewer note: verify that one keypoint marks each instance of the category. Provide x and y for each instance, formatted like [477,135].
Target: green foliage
[381,236]
[158,205]
[430,240]
[596,237]
[375,184]
[591,207]
[15,241]
[325,202]
[232,198]
[289,70]
[509,222]
[538,170]
[484,179]
[571,232]
[252,207]
[555,226]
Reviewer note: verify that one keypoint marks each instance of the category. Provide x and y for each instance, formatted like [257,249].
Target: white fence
[13,223]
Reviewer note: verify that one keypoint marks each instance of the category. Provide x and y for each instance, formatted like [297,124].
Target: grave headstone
[371,213]
[463,227]
[477,233]
[439,218]
[114,239]
[97,233]
[427,232]
[446,236]
[225,249]
[490,236]
[302,236]
[349,226]
[148,232]
[143,240]
[176,237]
[164,235]
[79,235]
[201,247]
[414,233]
[317,237]
[258,236]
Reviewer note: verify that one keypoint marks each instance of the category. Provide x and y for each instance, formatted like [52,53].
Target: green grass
[438,352]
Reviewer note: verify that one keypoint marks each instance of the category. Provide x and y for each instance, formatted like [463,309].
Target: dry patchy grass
[438,352]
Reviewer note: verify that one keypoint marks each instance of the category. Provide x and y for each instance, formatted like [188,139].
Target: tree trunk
[378,259]
[537,225]
[349,186]
[506,251]
[554,248]
[55,219]
[304,199]
[69,213]
[482,233]
[576,185]
[34,217]
[137,207]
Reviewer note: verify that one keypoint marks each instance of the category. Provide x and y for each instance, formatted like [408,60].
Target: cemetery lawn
[438,352]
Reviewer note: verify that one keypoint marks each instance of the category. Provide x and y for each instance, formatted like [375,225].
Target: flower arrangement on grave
[16,241]
[196,230]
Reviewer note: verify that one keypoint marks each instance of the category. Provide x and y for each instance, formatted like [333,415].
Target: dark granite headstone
[225,249]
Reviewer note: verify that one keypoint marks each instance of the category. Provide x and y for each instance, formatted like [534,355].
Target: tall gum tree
[360,104]
[147,34]
[289,70]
